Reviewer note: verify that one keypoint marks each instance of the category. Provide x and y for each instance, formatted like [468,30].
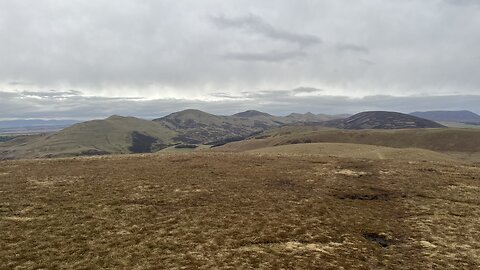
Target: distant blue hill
[449,116]
[35,123]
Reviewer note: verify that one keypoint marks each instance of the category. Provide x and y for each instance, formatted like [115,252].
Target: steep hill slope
[382,120]
[449,116]
[194,126]
[115,134]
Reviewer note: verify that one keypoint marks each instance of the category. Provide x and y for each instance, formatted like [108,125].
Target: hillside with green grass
[123,135]
[115,134]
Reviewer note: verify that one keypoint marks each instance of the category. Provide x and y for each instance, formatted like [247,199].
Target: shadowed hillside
[382,120]
[195,126]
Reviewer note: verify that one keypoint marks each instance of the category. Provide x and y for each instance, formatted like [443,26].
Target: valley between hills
[376,190]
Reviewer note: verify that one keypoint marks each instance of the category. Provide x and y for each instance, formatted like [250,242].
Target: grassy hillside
[199,127]
[442,140]
[115,134]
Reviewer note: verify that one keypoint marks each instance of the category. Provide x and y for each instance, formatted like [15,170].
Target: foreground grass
[226,210]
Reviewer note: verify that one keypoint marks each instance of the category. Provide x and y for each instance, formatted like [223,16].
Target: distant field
[236,211]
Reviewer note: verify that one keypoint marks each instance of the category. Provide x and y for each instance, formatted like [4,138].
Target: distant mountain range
[117,134]
[467,117]
[197,127]
[35,123]
[26,127]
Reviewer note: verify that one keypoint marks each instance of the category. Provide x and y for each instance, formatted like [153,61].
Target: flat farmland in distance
[238,210]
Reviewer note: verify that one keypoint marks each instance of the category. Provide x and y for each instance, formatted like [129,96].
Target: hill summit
[252,113]
[383,120]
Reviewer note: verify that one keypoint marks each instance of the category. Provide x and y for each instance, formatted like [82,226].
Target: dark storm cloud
[257,25]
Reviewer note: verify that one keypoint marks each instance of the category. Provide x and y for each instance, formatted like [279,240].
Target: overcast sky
[88,59]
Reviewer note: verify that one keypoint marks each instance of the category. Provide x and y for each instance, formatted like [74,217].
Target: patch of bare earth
[237,211]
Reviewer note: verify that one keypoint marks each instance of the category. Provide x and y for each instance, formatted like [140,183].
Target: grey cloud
[176,49]
[307,90]
[257,25]
[278,102]
[51,94]
[346,47]
[265,57]
[18,83]
[266,95]
[463,2]
[366,61]
[70,94]
[225,95]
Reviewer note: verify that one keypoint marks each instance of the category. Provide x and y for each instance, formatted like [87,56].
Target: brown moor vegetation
[238,210]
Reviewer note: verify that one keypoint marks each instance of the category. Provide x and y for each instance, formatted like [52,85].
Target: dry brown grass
[365,151]
[227,210]
[440,140]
